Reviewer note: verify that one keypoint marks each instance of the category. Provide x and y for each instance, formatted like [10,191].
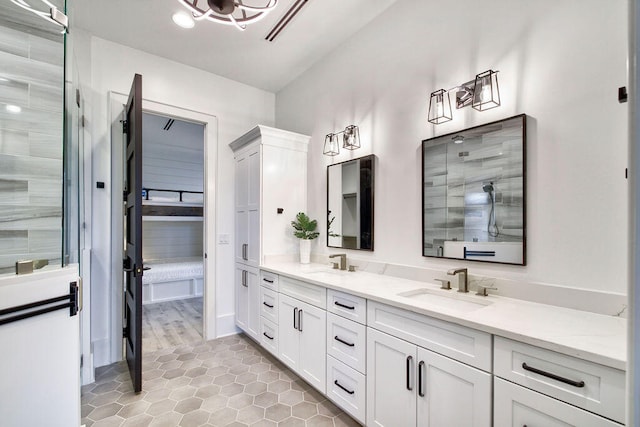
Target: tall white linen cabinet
[270,189]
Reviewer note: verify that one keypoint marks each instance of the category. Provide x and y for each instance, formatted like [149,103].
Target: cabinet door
[289,336]
[516,406]
[253,207]
[313,348]
[391,381]
[241,202]
[451,393]
[242,298]
[253,302]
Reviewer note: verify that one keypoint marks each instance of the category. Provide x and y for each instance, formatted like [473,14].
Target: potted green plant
[305,230]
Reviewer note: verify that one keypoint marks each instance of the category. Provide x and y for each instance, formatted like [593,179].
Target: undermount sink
[452,301]
[328,271]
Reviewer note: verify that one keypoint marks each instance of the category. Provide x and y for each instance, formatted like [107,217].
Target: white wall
[560,62]
[238,107]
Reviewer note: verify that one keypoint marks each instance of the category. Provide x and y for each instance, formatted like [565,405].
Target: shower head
[488,188]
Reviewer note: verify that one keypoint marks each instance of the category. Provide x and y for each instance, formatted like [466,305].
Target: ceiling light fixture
[228,12]
[183,19]
[52,15]
[13,108]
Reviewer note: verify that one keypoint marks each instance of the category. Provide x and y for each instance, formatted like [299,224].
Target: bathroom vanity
[391,351]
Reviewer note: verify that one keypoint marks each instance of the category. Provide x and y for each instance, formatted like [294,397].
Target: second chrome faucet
[343,260]
[463,281]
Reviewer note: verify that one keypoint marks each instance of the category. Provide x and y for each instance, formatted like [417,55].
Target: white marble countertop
[590,336]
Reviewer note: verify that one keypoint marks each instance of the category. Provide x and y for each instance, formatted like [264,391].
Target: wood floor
[172,323]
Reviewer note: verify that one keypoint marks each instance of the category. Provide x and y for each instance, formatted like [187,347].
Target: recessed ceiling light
[13,108]
[183,19]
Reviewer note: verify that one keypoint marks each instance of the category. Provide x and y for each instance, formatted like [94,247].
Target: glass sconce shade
[351,137]
[439,107]
[486,94]
[331,146]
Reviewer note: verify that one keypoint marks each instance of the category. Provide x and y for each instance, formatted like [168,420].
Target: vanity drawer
[346,388]
[596,388]
[269,335]
[346,305]
[457,342]
[269,304]
[270,280]
[516,406]
[303,291]
[347,341]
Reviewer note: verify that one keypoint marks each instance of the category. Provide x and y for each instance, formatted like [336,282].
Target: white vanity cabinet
[301,346]
[270,188]
[543,387]
[247,291]
[346,352]
[416,375]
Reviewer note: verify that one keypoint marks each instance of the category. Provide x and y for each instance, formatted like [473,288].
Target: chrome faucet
[463,281]
[343,260]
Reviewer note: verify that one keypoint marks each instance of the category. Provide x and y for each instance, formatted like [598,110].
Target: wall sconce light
[439,107]
[350,140]
[482,94]
[331,147]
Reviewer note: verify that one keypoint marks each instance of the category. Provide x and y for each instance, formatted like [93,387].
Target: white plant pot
[305,251]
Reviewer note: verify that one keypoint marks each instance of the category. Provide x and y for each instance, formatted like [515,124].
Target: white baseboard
[226,325]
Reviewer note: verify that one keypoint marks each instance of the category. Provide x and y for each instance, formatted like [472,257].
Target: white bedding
[169,270]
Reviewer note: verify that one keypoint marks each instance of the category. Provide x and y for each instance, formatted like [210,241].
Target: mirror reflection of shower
[492,227]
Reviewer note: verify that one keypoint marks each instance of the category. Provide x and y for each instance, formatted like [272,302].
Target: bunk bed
[171,275]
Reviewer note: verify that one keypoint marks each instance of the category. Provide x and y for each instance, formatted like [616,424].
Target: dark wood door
[133,267]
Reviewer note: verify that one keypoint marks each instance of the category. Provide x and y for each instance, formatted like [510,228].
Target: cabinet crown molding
[274,137]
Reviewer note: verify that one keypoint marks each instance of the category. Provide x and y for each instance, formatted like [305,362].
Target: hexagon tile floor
[225,382]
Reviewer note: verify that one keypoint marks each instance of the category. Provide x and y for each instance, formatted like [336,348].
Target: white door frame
[210,122]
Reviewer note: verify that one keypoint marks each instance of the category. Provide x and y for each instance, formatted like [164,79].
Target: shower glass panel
[33,212]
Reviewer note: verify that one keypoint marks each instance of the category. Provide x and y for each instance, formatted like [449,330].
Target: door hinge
[125,126]
[125,332]
[78,97]
[83,121]
[124,196]
[81,360]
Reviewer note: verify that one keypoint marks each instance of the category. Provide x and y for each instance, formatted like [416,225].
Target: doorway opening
[172,231]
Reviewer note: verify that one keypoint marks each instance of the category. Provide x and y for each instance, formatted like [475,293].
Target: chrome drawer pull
[343,387]
[578,384]
[268,305]
[337,338]
[348,307]
[265,334]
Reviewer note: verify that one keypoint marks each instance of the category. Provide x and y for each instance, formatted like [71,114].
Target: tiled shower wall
[31,77]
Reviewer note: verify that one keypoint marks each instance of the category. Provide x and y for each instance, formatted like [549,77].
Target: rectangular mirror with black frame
[473,195]
[350,190]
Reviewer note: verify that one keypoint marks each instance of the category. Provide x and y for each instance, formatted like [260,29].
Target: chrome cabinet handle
[343,387]
[300,320]
[420,375]
[337,338]
[244,278]
[409,360]
[245,248]
[578,384]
